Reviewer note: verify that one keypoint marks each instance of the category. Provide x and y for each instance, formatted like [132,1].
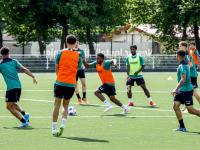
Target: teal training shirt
[8,69]
[141,63]
[106,66]
[81,52]
[184,68]
[193,70]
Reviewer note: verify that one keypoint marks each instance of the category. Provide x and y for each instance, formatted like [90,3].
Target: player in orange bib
[108,87]
[67,62]
[195,54]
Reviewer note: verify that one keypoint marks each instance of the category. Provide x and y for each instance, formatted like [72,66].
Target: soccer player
[183,91]
[8,69]
[108,87]
[193,71]
[67,62]
[134,67]
[80,74]
[195,54]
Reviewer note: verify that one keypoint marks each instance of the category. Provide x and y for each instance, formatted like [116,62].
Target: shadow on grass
[192,132]
[147,107]
[115,115]
[25,128]
[85,139]
[91,105]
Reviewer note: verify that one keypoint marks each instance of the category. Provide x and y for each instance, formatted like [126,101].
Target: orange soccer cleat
[85,100]
[130,104]
[79,101]
[152,103]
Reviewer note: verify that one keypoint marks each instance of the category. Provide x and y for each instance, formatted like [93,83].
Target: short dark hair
[183,43]
[181,53]
[4,50]
[133,46]
[71,39]
[100,55]
[192,43]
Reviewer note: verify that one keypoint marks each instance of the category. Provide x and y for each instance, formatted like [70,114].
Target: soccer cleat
[184,108]
[54,133]
[79,101]
[126,110]
[130,104]
[152,103]
[108,108]
[60,131]
[26,117]
[185,111]
[180,129]
[24,124]
[85,100]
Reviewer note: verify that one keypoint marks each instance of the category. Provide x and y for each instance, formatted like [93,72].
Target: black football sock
[22,120]
[23,113]
[78,96]
[84,94]
[181,123]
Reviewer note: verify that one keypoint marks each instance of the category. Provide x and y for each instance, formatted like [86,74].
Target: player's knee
[8,106]
[190,110]
[128,89]
[96,92]
[175,107]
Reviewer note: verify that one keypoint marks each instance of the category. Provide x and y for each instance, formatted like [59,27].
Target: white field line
[48,101]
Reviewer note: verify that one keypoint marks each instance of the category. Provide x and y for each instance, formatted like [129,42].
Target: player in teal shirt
[183,91]
[8,69]
[193,71]
[81,75]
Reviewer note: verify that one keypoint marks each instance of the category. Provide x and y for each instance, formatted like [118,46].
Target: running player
[135,65]
[108,87]
[8,69]
[195,54]
[80,74]
[67,62]
[193,71]
[183,91]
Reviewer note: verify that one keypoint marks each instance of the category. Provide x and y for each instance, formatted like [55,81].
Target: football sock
[181,123]
[123,106]
[84,94]
[54,125]
[107,103]
[150,99]
[78,96]
[23,113]
[22,120]
[63,121]
[130,100]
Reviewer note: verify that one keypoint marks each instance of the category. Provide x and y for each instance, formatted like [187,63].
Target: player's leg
[140,81]
[129,84]
[98,93]
[84,89]
[192,110]
[77,90]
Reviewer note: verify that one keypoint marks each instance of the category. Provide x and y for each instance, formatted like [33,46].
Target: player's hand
[128,78]
[34,81]
[115,65]
[173,93]
[136,73]
[83,58]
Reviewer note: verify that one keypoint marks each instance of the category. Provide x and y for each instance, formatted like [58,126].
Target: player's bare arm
[114,61]
[85,63]
[180,84]
[57,68]
[28,73]
[127,71]
[141,69]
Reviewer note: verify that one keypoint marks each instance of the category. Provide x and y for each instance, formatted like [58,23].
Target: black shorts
[63,91]
[184,97]
[194,81]
[13,95]
[80,74]
[139,81]
[107,89]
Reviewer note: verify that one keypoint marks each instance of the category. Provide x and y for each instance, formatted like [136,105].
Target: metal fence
[46,63]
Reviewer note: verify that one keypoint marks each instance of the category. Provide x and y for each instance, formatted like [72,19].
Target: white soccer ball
[71,110]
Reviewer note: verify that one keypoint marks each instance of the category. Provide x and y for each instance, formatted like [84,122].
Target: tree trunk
[184,37]
[196,33]
[1,38]
[64,34]
[41,45]
[90,43]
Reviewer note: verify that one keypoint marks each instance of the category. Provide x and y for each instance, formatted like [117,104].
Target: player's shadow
[147,107]
[85,139]
[93,105]
[24,128]
[192,132]
[115,115]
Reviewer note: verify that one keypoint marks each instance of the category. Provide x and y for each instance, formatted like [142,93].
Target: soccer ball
[71,111]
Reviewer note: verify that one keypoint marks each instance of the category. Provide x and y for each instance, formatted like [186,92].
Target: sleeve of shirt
[182,69]
[83,53]
[80,62]
[18,65]
[187,58]
[196,52]
[93,64]
[127,62]
[141,61]
[58,55]
[107,65]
